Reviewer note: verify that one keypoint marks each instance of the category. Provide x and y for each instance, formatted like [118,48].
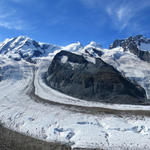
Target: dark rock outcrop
[94,82]
[94,51]
[133,45]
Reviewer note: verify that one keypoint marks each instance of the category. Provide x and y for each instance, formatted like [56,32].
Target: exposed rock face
[92,52]
[74,75]
[138,45]
[93,49]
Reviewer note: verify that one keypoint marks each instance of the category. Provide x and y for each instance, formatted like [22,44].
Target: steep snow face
[93,44]
[74,47]
[24,47]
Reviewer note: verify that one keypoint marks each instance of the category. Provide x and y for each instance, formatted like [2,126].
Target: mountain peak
[23,47]
[22,37]
[138,45]
[93,44]
[74,47]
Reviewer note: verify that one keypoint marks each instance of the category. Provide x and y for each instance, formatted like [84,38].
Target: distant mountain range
[120,74]
[137,45]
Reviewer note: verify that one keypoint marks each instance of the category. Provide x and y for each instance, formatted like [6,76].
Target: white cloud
[16,24]
[121,15]
[9,18]
[12,23]
[121,12]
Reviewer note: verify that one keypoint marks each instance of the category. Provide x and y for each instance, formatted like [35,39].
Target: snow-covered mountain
[138,45]
[74,47]
[25,48]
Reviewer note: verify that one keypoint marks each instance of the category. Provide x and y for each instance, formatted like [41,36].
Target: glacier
[29,106]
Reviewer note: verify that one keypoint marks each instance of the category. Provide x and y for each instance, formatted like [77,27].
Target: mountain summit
[23,47]
[138,45]
[26,48]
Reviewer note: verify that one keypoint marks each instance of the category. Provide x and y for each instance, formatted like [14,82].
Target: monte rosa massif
[79,96]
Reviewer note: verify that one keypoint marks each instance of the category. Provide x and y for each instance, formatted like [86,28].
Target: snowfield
[29,106]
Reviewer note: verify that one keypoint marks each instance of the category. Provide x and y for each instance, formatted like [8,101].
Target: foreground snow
[21,112]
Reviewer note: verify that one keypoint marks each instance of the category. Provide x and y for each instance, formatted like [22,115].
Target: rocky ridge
[73,75]
[138,45]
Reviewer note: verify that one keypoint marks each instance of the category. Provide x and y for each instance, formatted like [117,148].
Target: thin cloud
[9,18]
[16,24]
[122,13]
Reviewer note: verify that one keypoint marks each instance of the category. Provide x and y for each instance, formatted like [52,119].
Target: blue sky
[65,21]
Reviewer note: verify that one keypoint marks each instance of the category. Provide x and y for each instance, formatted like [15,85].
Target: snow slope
[74,47]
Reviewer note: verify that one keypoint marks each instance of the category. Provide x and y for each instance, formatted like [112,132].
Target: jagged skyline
[64,22]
